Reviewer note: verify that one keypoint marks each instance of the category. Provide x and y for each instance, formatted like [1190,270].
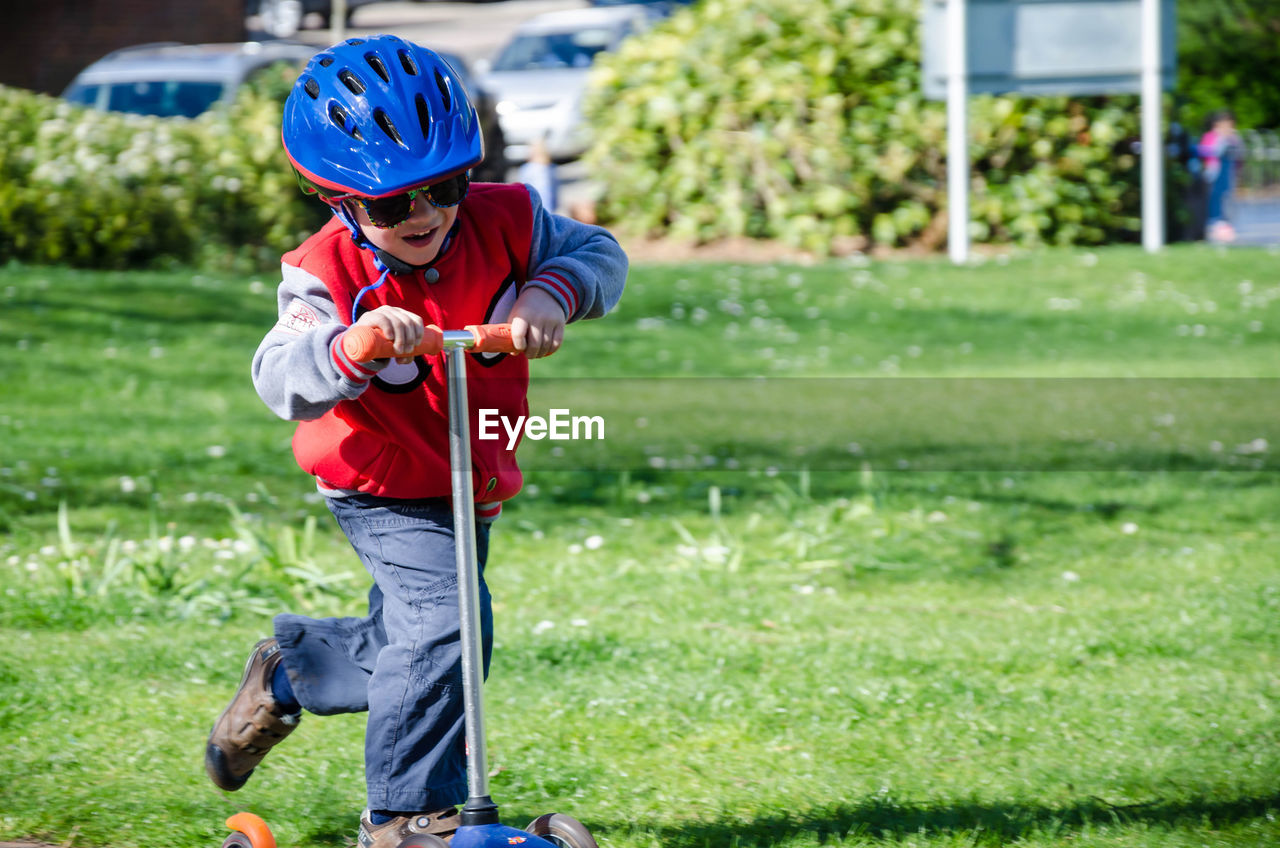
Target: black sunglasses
[387,212]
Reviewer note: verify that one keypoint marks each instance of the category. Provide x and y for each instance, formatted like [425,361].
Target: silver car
[172,80]
[539,77]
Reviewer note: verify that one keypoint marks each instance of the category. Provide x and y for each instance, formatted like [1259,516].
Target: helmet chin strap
[382,260]
[361,241]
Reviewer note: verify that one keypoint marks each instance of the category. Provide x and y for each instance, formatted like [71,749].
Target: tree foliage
[1229,57]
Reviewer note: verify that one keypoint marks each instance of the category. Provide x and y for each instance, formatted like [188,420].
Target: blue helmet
[378,116]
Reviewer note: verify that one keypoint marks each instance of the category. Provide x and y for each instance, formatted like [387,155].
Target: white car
[539,77]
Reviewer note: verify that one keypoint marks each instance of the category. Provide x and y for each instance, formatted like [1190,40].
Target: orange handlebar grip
[363,343]
[255,828]
[492,338]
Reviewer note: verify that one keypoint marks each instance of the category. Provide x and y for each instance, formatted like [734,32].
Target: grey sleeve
[582,266]
[299,369]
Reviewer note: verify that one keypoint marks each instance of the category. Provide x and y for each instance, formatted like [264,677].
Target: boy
[383,131]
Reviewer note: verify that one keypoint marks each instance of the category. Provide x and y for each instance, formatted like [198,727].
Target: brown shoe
[250,725]
[441,823]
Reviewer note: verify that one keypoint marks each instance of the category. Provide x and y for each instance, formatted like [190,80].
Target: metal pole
[957,133]
[1152,138]
[455,347]
[337,20]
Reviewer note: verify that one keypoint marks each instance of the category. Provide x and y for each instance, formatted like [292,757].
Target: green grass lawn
[1043,646]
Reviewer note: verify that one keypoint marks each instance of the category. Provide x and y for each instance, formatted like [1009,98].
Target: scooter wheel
[423,840]
[248,831]
[562,831]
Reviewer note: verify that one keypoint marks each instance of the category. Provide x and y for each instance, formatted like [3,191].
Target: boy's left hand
[537,323]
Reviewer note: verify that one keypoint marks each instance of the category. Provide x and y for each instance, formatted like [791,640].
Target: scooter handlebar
[492,338]
[363,343]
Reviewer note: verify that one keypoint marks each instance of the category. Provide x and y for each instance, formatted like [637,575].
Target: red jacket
[392,440]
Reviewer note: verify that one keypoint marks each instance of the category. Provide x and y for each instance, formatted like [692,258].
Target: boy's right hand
[401,326]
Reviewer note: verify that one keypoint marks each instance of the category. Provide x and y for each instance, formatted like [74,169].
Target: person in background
[539,172]
[1220,152]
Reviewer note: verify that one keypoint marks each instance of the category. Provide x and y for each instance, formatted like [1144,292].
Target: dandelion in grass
[1128,528]
[593,543]
[1256,446]
[542,627]
[128,485]
[216,451]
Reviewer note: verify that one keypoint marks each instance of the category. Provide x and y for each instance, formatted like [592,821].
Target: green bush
[105,190]
[804,120]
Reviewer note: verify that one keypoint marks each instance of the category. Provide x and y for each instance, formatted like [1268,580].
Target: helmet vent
[443,85]
[424,115]
[381,119]
[351,81]
[340,119]
[312,88]
[378,68]
[326,61]
[406,62]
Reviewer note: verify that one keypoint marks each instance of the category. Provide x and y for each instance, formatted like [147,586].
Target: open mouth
[421,239]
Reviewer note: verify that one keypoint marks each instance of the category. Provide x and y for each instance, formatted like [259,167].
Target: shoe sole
[215,761]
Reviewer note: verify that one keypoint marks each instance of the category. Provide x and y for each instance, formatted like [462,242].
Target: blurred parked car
[659,8]
[171,80]
[185,80]
[283,18]
[494,167]
[540,75]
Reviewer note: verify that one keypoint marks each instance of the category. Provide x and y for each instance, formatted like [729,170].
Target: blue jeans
[1220,191]
[403,661]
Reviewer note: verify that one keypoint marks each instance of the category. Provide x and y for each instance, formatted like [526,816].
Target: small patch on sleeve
[298,318]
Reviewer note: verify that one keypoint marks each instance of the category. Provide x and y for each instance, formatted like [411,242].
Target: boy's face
[417,239]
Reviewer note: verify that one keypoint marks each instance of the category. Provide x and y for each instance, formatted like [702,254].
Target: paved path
[1257,221]
[472,30]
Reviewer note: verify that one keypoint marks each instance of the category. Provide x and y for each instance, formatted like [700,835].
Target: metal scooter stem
[479,808]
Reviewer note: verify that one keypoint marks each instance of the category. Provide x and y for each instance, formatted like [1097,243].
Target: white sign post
[957,134]
[1152,138]
[1072,47]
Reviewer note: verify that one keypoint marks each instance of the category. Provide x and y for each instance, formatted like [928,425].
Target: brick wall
[50,41]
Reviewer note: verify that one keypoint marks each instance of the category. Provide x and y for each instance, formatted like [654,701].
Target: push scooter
[480,826]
